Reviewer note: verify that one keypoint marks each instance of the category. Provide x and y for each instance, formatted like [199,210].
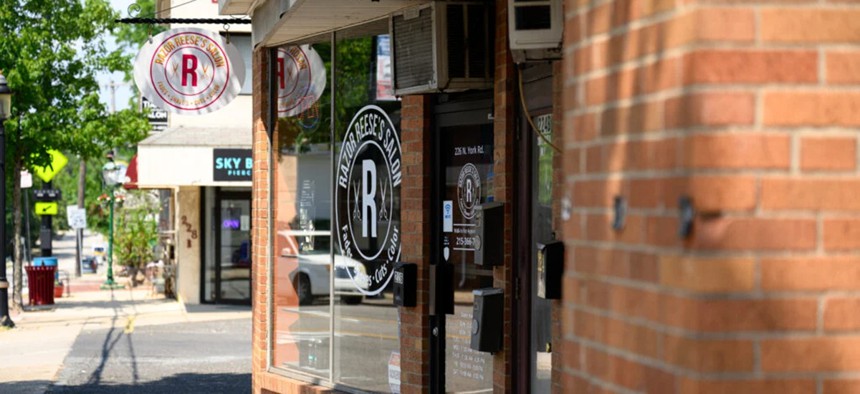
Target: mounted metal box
[442,47]
[535,29]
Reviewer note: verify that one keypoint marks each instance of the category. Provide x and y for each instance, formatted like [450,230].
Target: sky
[122,92]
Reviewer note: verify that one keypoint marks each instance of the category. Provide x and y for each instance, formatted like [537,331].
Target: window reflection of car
[311,277]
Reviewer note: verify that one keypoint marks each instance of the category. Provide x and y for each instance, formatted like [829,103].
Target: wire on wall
[528,117]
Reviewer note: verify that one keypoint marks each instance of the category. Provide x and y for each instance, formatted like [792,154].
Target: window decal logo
[367,197]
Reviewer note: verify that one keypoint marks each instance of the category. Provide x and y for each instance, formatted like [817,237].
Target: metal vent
[413,50]
[442,47]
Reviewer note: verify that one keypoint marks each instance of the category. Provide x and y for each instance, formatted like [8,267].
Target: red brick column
[260,225]
[415,199]
[750,108]
[504,184]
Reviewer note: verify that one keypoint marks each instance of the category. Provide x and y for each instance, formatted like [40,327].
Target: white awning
[276,22]
[183,156]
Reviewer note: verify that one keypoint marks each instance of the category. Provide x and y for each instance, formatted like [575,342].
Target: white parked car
[311,278]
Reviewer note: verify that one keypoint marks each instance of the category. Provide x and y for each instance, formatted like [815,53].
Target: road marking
[129,325]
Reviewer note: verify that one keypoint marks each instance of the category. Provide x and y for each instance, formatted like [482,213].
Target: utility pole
[45,236]
[5,110]
[79,233]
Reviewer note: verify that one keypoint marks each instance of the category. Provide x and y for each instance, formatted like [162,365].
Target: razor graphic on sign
[367,197]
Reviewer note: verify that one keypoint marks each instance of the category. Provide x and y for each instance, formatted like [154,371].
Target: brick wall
[504,182]
[259,226]
[415,139]
[747,107]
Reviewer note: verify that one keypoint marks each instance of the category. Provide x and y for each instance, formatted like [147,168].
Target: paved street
[211,357]
[124,341]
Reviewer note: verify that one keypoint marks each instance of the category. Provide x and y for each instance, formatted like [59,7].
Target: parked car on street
[89,264]
[310,277]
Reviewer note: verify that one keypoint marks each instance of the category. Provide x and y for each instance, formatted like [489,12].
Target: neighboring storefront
[604,196]
[201,153]
[208,173]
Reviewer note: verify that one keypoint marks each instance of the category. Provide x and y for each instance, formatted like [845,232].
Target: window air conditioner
[534,29]
[442,47]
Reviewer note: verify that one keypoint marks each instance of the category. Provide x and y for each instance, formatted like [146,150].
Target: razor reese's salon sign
[189,71]
[367,198]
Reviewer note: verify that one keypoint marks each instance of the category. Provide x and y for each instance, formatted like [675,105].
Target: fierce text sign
[189,71]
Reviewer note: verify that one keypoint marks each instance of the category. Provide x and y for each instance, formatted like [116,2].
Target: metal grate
[413,50]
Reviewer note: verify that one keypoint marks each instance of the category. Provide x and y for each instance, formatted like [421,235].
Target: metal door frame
[220,196]
[449,110]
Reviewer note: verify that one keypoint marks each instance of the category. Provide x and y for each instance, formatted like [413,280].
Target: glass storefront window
[336,211]
[541,309]
[302,206]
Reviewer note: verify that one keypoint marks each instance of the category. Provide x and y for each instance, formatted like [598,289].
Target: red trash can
[40,282]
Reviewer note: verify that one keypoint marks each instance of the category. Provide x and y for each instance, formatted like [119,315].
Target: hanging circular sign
[367,198]
[189,71]
[301,79]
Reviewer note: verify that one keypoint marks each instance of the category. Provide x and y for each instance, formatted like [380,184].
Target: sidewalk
[34,351]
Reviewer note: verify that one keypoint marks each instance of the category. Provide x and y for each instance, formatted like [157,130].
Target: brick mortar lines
[728,214]
[665,366]
[637,24]
[614,388]
[693,47]
[718,254]
[697,335]
[856,154]
[765,295]
[687,172]
[696,89]
[719,376]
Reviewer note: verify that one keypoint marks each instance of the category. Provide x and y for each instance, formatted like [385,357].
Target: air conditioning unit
[535,29]
[443,47]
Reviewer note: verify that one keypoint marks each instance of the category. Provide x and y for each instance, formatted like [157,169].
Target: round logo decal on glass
[189,71]
[367,198]
[469,190]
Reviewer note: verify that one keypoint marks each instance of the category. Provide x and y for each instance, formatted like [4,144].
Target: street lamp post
[110,175]
[5,111]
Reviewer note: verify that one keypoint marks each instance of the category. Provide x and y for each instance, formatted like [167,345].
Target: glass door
[464,181]
[233,248]
[533,320]
[540,168]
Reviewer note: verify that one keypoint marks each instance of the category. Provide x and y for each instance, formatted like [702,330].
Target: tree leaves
[51,63]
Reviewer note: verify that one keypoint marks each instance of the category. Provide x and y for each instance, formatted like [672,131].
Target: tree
[135,231]
[50,53]
[130,37]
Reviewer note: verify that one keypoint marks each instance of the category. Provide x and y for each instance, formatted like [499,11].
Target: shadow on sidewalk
[180,383]
[208,308]
[33,386]
[106,304]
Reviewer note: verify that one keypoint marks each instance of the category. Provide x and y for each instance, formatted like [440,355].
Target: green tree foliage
[50,53]
[130,37]
[135,230]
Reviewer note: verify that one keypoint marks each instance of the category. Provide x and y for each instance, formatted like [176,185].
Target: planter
[58,290]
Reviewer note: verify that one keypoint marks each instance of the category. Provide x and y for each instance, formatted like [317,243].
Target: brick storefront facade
[748,108]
